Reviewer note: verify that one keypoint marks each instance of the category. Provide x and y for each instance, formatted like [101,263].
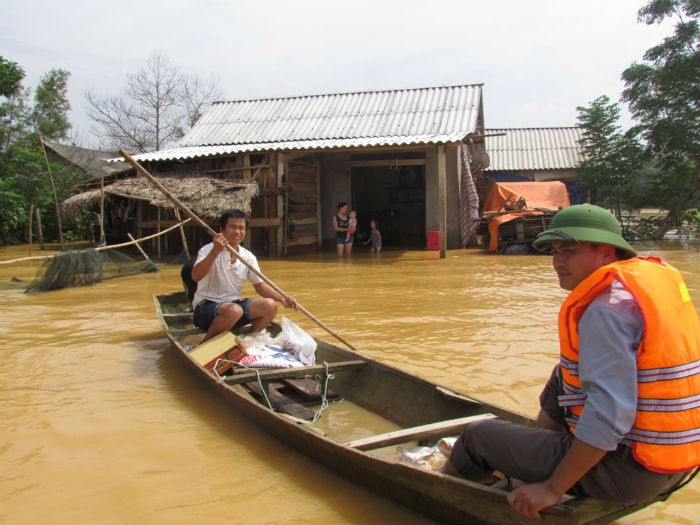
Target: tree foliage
[23,172]
[11,75]
[51,105]
[663,94]
[157,106]
[609,172]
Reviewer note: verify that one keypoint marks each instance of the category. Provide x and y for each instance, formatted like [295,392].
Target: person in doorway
[352,227]
[220,276]
[375,238]
[620,415]
[341,225]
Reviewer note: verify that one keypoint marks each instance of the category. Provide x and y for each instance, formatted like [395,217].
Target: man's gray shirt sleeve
[609,333]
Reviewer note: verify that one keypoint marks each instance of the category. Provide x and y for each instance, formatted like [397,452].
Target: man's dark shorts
[205,312]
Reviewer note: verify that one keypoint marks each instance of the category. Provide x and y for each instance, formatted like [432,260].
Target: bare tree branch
[157,106]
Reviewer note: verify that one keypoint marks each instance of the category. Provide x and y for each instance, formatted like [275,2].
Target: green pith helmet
[583,223]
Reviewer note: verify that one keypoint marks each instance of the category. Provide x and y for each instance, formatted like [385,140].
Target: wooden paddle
[142,171]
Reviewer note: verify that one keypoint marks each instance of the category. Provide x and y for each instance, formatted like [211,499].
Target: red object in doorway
[433,242]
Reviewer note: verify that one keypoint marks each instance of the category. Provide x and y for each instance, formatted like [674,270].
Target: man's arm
[610,331]
[530,499]
[202,267]
[265,290]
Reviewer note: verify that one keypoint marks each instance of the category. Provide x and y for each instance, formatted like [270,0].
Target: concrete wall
[452,173]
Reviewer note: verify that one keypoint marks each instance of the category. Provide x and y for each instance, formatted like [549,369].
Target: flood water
[101,425]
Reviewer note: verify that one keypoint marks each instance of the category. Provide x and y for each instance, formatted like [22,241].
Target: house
[535,154]
[529,178]
[397,156]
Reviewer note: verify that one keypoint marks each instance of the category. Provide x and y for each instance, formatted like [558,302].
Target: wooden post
[40,233]
[55,197]
[182,234]
[442,199]
[102,212]
[158,239]
[31,218]
[282,211]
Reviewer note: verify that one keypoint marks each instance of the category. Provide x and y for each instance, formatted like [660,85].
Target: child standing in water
[352,226]
[375,237]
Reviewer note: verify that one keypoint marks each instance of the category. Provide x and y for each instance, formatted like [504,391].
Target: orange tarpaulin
[548,195]
[522,198]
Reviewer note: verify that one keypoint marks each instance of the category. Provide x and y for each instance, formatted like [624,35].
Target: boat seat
[283,373]
[440,428]
[281,402]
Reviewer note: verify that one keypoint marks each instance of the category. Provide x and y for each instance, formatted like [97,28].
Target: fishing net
[85,267]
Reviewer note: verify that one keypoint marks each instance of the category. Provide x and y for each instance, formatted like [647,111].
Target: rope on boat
[324,397]
[257,374]
[327,376]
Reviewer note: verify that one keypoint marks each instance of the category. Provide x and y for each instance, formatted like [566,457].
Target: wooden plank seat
[279,401]
[245,375]
[310,389]
[440,428]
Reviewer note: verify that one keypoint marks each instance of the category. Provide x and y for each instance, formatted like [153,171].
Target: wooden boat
[416,410]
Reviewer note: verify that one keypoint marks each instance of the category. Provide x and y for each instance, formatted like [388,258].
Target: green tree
[11,75]
[157,105]
[51,105]
[663,94]
[612,158]
[23,172]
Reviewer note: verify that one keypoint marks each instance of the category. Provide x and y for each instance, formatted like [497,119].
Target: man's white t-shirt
[225,280]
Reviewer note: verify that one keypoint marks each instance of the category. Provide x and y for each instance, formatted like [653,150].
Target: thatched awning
[206,197]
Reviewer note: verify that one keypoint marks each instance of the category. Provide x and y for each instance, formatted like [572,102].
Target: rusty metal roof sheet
[431,115]
[534,148]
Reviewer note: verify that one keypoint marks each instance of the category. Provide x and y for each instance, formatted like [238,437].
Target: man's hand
[529,500]
[289,302]
[220,243]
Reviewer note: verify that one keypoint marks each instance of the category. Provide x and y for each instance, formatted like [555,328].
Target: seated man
[220,276]
[620,415]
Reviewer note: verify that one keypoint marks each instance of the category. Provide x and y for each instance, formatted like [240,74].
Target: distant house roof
[397,117]
[91,161]
[534,148]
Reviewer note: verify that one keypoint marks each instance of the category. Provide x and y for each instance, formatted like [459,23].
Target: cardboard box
[224,346]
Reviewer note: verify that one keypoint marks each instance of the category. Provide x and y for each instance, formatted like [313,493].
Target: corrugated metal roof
[371,118]
[534,148]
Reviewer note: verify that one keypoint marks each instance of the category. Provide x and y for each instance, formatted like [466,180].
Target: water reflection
[97,413]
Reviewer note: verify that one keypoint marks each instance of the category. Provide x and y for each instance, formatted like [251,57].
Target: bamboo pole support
[136,243]
[101,248]
[182,234]
[55,196]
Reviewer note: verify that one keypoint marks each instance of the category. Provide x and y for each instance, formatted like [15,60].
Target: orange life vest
[665,436]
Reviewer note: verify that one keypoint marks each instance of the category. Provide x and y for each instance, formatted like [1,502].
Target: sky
[538,59]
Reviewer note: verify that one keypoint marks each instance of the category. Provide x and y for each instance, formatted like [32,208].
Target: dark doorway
[395,198]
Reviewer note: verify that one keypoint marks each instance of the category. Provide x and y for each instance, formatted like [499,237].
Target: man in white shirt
[218,304]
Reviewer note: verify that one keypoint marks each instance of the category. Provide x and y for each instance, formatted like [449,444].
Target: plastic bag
[295,340]
[429,458]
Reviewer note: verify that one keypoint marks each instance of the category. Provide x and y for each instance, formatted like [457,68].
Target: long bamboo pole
[55,196]
[140,170]
[145,256]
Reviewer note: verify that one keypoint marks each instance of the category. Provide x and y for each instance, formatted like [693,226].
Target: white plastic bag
[295,340]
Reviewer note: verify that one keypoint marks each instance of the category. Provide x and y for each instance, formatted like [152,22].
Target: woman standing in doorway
[341,224]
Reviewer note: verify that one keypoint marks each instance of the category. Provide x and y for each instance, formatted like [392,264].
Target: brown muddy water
[101,425]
